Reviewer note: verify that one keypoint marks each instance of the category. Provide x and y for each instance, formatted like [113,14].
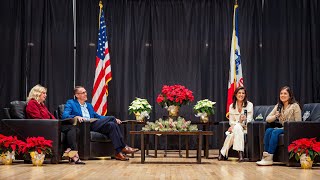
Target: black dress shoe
[222,158]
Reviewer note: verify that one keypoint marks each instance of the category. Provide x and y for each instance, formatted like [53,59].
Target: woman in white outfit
[240,112]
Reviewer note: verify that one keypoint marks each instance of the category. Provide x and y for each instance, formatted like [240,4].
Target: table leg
[147,144]
[206,152]
[132,138]
[142,149]
[155,146]
[165,147]
[187,146]
[199,148]
[180,155]
[205,142]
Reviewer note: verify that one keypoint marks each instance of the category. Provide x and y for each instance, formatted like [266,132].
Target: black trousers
[72,136]
[108,126]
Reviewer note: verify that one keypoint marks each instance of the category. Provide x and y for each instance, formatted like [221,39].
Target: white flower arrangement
[204,108]
[140,107]
[181,125]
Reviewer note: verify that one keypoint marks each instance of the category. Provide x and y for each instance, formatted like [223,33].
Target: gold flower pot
[305,161]
[173,111]
[37,159]
[7,158]
[204,119]
[139,118]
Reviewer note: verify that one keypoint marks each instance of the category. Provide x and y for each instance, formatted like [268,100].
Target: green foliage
[204,106]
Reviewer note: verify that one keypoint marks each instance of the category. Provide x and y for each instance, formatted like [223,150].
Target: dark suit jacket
[72,109]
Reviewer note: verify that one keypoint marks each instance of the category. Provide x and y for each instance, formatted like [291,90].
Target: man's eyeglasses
[85,92]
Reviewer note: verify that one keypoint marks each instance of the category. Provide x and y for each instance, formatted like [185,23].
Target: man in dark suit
[79,109]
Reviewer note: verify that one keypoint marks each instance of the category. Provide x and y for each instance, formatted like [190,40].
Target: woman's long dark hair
[234,97]
[291,99]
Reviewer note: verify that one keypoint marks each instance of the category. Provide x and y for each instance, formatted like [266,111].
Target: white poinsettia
[140,106]
[204,107]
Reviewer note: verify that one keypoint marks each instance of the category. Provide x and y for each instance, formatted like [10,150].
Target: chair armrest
[222,128]
[295,130]
[255,130]
[85,139]
[224,125]
[68,121]
[302,129]
[7,113]
[47,128]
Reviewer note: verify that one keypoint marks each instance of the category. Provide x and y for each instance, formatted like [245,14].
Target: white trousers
[236,138]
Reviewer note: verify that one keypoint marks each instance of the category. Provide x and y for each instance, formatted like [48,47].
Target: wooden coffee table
[199,134]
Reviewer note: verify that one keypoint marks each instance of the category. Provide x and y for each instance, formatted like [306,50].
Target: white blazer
[234,114]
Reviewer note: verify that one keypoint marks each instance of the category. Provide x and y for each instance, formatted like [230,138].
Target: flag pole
[100,7]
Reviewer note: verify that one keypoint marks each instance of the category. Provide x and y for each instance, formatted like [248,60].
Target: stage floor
[170,167]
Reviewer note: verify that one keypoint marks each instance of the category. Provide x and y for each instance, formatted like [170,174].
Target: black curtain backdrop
[37,42]
[158,42]
[291,49]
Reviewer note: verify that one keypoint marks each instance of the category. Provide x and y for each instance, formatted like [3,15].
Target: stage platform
[170,167]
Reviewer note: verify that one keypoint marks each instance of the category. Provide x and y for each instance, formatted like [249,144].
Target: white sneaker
[265,154]
[267,160]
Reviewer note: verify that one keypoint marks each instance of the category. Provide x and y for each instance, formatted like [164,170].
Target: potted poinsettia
[173,97]
[9,147]
[203,109]
[38,147]
[140,108]
[305,150]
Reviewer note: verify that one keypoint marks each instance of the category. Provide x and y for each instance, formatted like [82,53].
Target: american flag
[235,72]
[103,69]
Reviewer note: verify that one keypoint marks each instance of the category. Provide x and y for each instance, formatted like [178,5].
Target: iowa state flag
[235,72]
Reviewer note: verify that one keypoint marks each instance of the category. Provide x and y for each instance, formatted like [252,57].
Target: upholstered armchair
[92,144]
[309,127]
[252,138]
[16,123]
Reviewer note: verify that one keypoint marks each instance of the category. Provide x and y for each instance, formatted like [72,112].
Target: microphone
[245,112]
[279,108]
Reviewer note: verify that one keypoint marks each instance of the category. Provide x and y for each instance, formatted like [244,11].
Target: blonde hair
[35,92]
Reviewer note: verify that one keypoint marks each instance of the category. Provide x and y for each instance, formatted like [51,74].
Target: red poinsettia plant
[174,95]
[38,144]
[307,146]
[10,143]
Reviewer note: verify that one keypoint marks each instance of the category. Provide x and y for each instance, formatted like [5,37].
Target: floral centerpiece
[170,125]
[141,108]
[203,109]
[38,147]
[173,97]
[306,150]
[9,146]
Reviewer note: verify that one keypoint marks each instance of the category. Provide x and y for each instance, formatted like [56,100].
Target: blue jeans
[271,139]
